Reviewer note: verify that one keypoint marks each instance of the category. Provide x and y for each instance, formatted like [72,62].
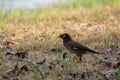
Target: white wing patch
[74,48]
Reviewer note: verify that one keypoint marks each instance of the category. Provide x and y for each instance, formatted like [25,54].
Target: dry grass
[97,28]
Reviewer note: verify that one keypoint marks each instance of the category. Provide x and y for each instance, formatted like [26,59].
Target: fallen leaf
[22,54]
[42,62]
[11,72]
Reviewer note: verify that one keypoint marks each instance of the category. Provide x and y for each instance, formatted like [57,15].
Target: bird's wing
[79,47]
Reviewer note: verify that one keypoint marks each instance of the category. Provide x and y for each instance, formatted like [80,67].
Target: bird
[75,47]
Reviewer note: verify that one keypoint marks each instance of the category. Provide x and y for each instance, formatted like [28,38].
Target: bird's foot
[77,60]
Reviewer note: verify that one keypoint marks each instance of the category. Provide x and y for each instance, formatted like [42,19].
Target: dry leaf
[22,54]
[42,62]
[11,72]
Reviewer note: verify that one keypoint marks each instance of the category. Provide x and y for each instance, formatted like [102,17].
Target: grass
[119,73]
[94,23]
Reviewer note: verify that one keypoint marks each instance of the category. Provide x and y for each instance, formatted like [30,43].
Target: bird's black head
[65,37]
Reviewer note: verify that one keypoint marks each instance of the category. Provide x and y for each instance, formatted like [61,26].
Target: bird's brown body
[75,47]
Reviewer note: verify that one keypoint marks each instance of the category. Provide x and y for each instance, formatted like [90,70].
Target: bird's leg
[80,58]
[81,61]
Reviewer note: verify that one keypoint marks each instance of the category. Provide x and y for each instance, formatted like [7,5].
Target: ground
[37,32]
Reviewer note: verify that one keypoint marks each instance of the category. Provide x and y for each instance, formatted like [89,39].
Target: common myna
[75,47]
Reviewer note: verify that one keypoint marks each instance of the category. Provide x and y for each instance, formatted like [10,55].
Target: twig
[35,65]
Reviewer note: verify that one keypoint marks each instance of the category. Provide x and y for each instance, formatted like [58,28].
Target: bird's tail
[93,51]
